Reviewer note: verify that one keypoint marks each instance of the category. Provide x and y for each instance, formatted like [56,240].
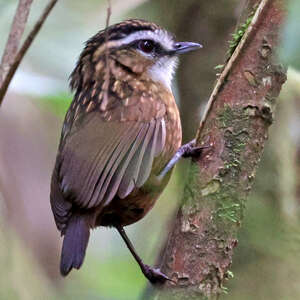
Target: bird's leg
[186,150]
[152,274]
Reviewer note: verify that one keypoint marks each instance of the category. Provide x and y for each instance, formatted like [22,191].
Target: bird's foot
[155,276]
[190,150]
[187,150]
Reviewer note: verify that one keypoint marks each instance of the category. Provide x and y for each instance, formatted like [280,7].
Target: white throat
[163,70]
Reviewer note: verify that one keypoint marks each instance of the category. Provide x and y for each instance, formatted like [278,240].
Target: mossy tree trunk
[199,251]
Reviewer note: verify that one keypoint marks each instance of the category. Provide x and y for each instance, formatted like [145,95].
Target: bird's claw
[155,276]
[190,150]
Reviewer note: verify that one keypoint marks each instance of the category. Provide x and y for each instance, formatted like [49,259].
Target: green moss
[239,32]
[210,188]
[225,117]
[229,274]
[225,194]
[219,67]
[224,290]
[230,212]
[229,199]
[191,189]
[229,206]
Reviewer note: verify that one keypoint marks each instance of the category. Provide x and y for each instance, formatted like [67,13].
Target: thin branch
[107,69]
[14,38]
[229,64]
[31,36]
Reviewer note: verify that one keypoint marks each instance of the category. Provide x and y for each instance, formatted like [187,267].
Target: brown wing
[107,158]
[107,146]
[101,159]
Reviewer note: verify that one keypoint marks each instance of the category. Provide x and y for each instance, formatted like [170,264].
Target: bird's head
[140,47]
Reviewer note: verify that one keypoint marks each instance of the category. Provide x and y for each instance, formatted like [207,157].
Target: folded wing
[105,159]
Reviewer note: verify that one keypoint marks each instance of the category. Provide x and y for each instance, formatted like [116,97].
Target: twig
[15,35]
[107,70]
[229,65]
[31,36]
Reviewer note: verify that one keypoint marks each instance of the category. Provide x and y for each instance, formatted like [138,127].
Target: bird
[121,136]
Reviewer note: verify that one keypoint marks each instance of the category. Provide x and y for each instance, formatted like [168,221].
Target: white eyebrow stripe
[159,36]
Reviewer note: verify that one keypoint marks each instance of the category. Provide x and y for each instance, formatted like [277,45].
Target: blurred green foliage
[57,104]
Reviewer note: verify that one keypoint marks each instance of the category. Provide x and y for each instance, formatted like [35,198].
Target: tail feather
[75,242]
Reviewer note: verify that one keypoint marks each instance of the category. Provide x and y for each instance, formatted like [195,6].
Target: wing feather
[119,174]
[97,166]
[161,137]
[114,161]
[131,174]
[85,151]
[146,165]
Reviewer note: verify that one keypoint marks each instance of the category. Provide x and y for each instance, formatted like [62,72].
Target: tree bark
[235,126]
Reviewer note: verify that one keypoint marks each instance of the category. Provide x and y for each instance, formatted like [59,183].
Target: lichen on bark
[199,251]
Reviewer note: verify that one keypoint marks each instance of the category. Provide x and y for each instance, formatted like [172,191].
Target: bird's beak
[183,47]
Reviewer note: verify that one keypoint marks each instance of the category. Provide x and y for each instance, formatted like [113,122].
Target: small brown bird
[120,138]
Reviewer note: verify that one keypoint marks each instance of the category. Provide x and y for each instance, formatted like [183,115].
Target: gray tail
[76,238]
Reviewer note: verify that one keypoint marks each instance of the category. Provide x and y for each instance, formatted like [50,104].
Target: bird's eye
[146,46]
